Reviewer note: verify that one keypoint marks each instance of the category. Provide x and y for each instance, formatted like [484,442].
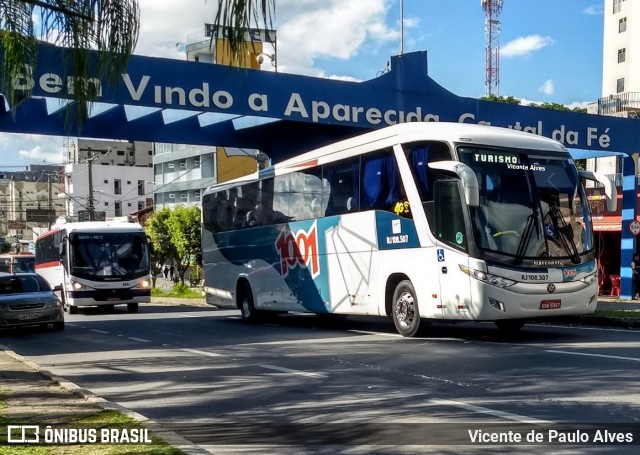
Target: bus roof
[92,226]
[449,132]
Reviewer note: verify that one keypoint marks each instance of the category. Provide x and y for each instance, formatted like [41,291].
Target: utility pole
[91,208]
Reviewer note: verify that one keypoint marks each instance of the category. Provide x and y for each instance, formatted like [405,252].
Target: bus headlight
[488,278]
[589,279]
[78,286]
[143,284]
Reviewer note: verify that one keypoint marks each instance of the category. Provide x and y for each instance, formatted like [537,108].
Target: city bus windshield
[532,205]
[117,255]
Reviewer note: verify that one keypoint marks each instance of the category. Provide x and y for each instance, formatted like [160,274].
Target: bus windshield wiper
[567,240]
[532,221]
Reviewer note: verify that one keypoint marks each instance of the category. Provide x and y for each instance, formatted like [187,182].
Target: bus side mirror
[57,288]
[466,175]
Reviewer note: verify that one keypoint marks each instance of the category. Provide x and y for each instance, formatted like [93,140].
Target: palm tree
[108,26]
[238,15]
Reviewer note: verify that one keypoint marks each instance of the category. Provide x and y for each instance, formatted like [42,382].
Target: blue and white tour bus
[419,222]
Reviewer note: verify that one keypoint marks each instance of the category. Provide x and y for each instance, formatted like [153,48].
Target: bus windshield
[113,254]
[531,205]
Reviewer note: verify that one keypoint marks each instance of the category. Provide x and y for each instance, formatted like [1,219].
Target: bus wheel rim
[405,308]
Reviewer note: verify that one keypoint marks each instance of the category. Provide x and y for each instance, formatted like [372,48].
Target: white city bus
[96,263]
[417,221]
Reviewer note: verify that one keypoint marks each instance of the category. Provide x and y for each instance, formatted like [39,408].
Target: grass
[618,313]
[99,420]
[179,291]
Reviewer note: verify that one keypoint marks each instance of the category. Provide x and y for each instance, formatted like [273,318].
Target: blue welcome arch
[163,100]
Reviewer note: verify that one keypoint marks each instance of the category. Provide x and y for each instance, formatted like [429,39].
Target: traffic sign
[634,227]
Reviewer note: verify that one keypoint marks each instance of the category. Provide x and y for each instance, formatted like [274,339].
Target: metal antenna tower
[492,10]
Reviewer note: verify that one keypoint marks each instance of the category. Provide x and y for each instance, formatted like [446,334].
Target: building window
[617,6]
[171,165]
[117,187]
[620,85]
[196,194]
[120,152]
[621,55]
[196,163]
[118,209]
[140,205]
[183,164]
[183,196]
[172,196]
[140,187]
[622,25]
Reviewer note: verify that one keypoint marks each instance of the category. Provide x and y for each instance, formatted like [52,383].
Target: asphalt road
[353,384]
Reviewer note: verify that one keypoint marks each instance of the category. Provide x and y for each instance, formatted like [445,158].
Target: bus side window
[450,226]
[343,177]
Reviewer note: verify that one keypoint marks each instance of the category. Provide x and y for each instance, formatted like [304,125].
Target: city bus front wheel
[404,307]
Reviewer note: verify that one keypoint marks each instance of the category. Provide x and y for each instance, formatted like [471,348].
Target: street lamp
[272,58]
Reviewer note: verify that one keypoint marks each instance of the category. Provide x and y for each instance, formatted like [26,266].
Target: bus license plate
[550,304]
[29,316]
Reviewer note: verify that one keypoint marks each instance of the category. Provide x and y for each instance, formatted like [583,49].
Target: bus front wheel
[404,308]
[247,307]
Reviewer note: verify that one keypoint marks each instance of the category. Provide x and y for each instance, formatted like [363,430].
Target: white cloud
[18,149]
[547,88]
[39,155]
[309,31]
[524,45]
[594,10]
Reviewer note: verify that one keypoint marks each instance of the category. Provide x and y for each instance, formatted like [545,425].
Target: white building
[109,178]
[620,72]
[183,172]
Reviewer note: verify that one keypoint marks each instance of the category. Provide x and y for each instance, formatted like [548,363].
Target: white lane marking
[602,329]
[586,354]
[298,372]
[493,412]
[98,331]
[189,315]
[141,340]
[382,334]
[199,352]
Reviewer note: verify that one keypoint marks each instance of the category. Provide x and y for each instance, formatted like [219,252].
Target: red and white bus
[96,263]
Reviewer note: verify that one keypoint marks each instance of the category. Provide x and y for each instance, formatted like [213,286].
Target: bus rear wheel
[404,307]
[247,307]
[510,325]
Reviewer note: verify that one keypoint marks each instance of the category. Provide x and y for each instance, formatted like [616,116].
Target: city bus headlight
[589,279]
[144,284]
[78,286]
[488,278]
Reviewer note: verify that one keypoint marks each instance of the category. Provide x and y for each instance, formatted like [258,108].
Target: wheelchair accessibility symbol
[440,252]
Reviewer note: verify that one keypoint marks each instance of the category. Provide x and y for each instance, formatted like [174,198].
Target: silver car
[27,299]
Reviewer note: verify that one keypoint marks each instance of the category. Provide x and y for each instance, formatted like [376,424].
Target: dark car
[27,299]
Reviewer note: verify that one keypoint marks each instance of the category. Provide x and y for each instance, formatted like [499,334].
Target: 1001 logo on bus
[299,249]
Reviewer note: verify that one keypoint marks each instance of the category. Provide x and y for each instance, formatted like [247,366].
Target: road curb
[154,427]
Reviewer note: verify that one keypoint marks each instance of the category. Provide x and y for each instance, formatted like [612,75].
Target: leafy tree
[157,229]
[108,26]
[184,228]
[501,99]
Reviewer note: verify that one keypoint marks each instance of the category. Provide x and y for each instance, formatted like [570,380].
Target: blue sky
[551,50]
